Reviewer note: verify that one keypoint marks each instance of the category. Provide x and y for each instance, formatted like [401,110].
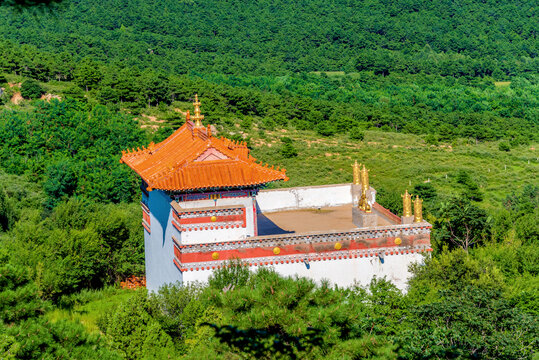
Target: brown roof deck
[307,220]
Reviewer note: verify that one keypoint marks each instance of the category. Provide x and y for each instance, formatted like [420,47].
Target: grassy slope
[398,160]
[90,305]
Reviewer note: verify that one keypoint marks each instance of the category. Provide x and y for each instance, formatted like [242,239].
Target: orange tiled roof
[191,158]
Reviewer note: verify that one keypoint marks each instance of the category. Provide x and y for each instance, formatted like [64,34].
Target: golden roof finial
[356,172]
[197,117]
[406,204]
[418,209]
[365,177]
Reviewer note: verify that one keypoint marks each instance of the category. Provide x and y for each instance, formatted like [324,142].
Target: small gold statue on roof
[197,117]
[406,204]
[363,203]
[367,207]
[418,209]
[357,173]
[365,178]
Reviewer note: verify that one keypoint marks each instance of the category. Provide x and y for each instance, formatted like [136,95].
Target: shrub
[30,89]
[431,139]
[504,146]
[325,128]
[288,150]
[235,273]
[357,134]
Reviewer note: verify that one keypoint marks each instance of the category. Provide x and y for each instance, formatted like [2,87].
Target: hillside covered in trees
[465,38]
[439,97]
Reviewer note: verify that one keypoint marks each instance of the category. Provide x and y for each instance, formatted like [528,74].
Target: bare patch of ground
[153,127]
[152,118]
[48,97]
[17,98]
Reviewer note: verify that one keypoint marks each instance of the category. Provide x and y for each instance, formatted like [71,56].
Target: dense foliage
[270,317]
[72,148]
[386,70]
[417,90]
[467,38]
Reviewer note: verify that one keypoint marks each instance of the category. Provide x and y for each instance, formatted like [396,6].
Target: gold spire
[357,173]
[418,209]
[197,117]
[365,178]
[406,204]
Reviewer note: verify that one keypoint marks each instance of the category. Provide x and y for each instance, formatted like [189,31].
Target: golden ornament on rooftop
[276,251]
[365,177]
[363,204]
[406,204]
[215,255]
[197,117]
[418,209]
[367,207]
[357,173]
[213,218]
[398,241]
[338,246]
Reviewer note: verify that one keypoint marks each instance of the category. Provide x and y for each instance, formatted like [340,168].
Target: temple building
[203,203]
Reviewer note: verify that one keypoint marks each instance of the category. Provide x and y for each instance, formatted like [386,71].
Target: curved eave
[220,187]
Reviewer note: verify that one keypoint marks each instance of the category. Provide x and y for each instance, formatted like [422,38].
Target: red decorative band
[244,252]
[292,259]
[210,219]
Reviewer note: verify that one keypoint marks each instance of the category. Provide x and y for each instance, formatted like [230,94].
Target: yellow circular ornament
[214,218]
[276,250]
[398,241]
[215,255]
[338,246]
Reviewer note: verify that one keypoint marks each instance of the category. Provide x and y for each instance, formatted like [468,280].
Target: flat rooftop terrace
[337,218]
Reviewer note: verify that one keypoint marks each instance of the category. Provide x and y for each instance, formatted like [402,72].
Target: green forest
[437,97]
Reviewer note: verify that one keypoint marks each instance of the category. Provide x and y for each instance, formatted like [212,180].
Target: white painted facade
[343,272]
[158,245]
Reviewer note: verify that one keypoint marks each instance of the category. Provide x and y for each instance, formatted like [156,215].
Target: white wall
[304,197]
[344,272]
[158,246]
[207,236]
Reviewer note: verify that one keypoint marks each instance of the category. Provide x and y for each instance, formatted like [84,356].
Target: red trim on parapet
[291,260]
[387,213]
[305,248]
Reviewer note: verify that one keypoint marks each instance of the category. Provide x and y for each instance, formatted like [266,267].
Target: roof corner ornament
[356,171]
[197,117]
